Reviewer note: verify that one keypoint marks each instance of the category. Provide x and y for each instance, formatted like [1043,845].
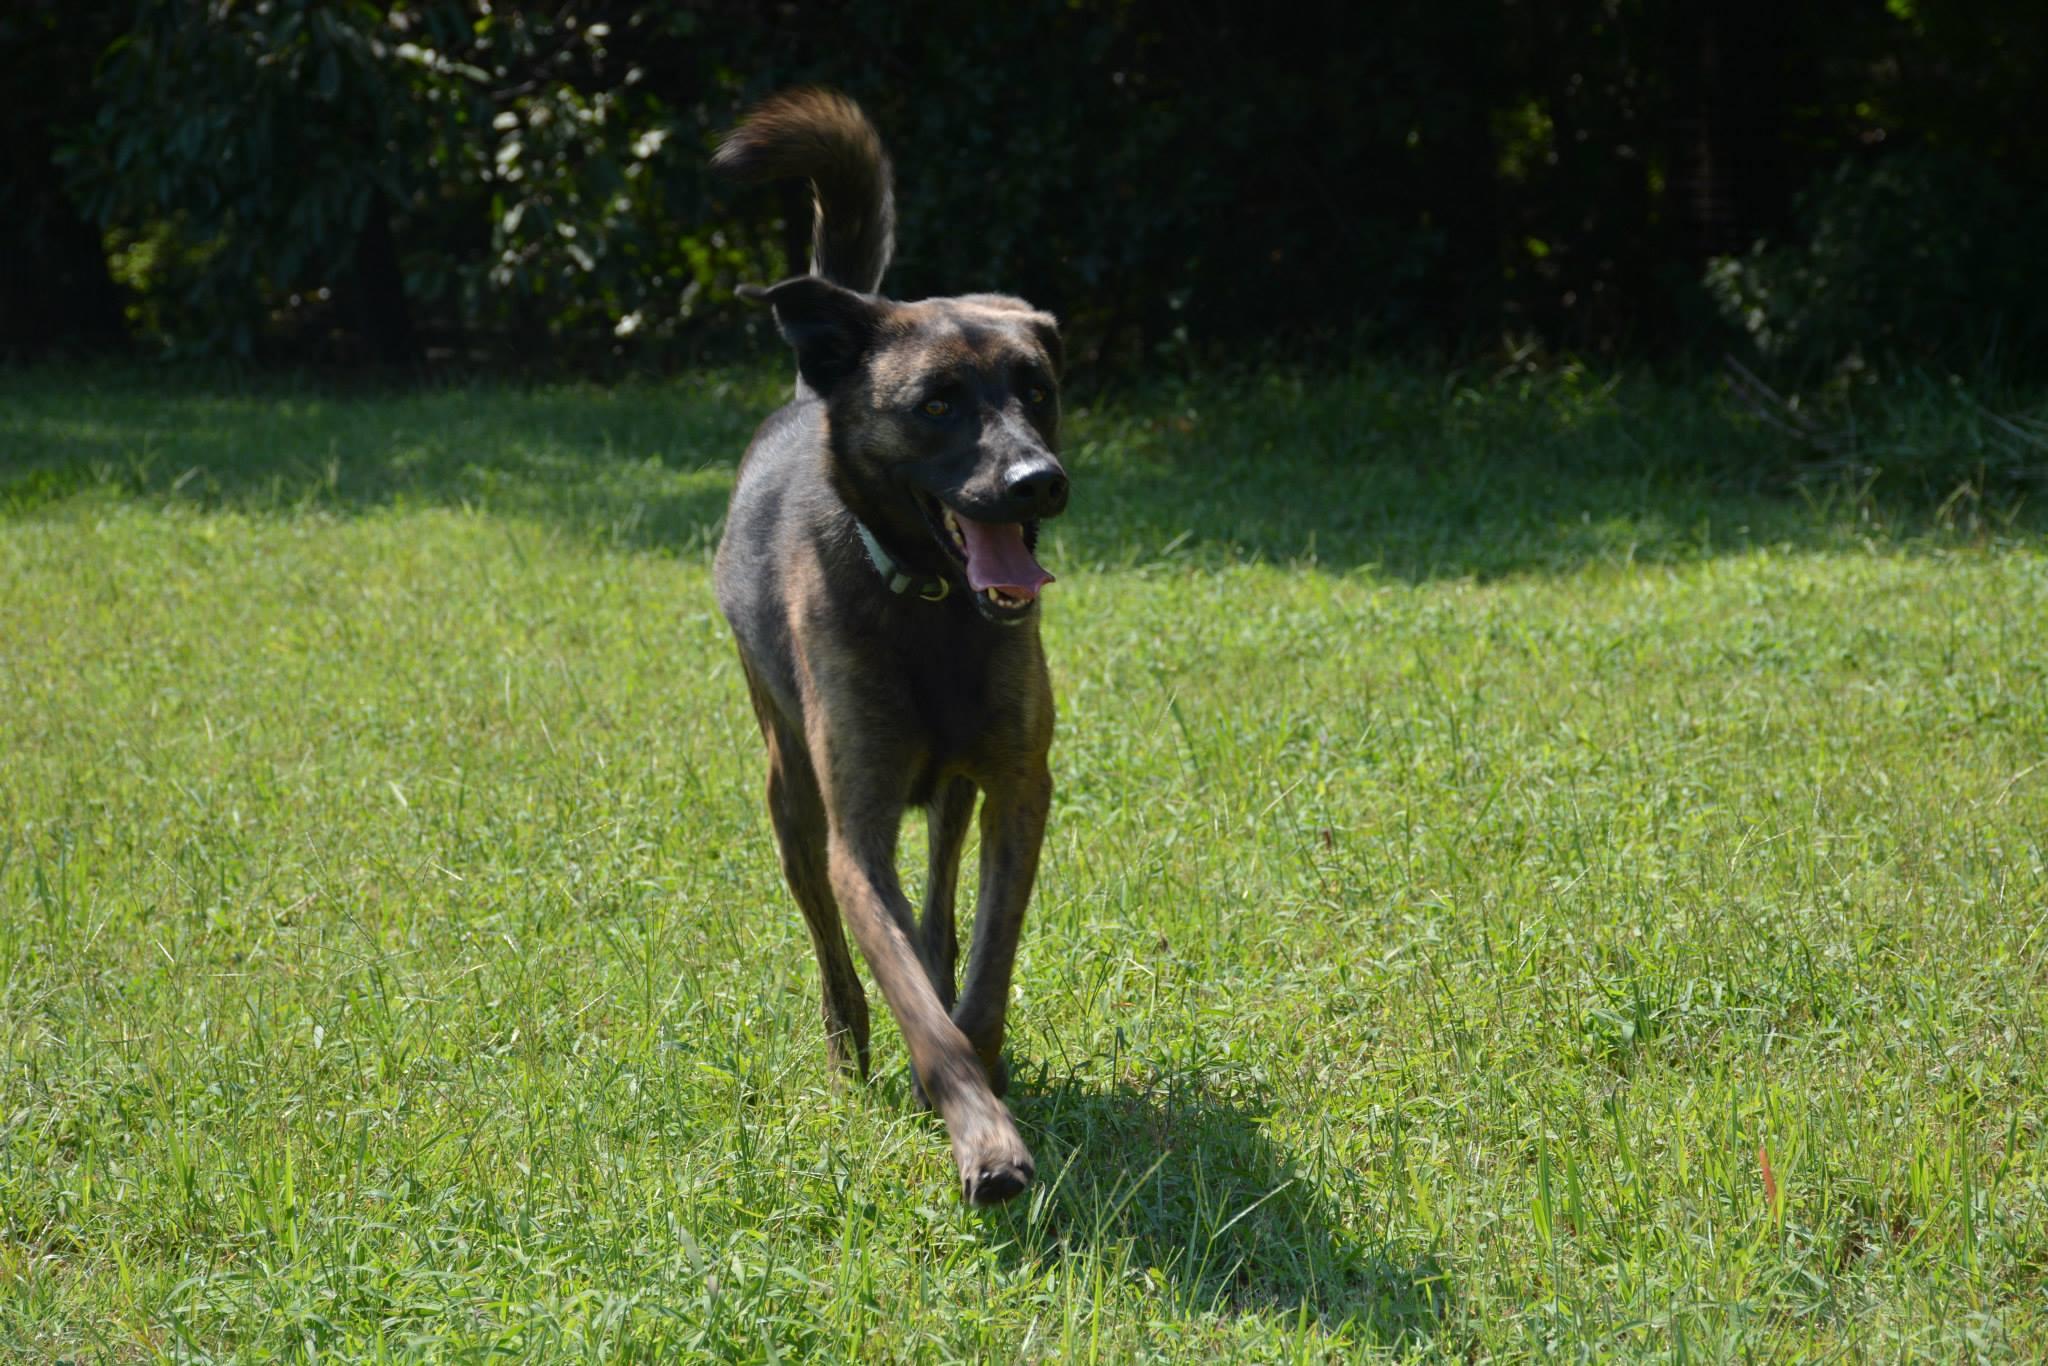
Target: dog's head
[944,427]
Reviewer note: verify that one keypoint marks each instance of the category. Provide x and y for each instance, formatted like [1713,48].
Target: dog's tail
[823,137]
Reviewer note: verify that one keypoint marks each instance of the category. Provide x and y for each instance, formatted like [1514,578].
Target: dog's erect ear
[1047,331]
[829,326]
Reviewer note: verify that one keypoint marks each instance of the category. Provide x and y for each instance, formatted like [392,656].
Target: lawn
[1535,871]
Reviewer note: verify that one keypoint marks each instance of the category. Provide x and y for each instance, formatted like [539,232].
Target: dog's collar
[930,587]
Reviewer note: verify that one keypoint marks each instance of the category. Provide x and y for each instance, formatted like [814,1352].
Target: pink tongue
[997,558]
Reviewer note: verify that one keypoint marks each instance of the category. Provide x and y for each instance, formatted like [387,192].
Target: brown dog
[878,574]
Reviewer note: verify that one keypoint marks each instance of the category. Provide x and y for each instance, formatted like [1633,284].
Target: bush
[1917,258]
[303,179]
[305,171]
[315,172]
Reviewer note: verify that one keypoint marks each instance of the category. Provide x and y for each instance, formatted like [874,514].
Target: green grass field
[1525,880]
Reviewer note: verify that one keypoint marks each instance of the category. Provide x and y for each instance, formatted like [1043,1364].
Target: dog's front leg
[1012,829]
[993,1162]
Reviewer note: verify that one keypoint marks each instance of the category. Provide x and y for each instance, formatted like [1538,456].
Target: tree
[55,292]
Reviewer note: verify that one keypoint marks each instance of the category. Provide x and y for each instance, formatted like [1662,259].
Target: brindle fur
[870,701]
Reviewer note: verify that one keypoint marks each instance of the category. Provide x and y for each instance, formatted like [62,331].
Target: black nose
[1038,490]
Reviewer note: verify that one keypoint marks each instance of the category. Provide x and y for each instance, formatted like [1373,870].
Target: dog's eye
[935,407]
[1036,393]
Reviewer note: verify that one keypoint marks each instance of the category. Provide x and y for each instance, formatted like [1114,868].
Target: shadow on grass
[1184,1190]
[1420,476]
[641,468]
[1430,476]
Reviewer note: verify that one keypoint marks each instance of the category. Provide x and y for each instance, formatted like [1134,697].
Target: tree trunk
[55,293]
[1730,181]
[381,308]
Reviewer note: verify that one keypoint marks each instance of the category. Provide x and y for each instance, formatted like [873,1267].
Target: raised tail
[823,137]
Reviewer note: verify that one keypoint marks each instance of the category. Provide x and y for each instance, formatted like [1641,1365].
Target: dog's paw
[994,1163]
[998,1184]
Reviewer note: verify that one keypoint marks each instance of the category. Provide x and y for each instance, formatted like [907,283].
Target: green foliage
[1919,259]
[263,135]
[531,178]
[528,183]
[1156,171]
[1107,177]
[598,223]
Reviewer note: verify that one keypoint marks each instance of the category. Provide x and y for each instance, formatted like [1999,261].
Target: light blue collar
[932,588]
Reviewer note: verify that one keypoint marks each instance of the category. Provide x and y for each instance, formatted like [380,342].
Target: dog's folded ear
[829,326]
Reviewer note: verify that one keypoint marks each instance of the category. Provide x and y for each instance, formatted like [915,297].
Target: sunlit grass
[1496,821]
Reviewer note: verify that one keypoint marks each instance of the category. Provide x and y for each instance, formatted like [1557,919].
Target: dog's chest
[974,708]
[956,696]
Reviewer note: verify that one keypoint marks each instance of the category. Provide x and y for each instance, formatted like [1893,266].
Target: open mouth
[996,556]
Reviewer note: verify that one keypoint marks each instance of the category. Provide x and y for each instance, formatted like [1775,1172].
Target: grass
[1525,880]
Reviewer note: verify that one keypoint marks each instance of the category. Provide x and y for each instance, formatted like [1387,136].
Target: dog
[877,570]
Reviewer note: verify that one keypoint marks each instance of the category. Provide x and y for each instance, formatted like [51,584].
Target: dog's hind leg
[945,835]
[1012,830]
[800,836]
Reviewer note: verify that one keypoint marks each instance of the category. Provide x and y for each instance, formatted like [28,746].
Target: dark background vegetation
[1822,189]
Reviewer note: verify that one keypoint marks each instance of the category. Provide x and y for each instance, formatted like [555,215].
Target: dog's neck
[930,587]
